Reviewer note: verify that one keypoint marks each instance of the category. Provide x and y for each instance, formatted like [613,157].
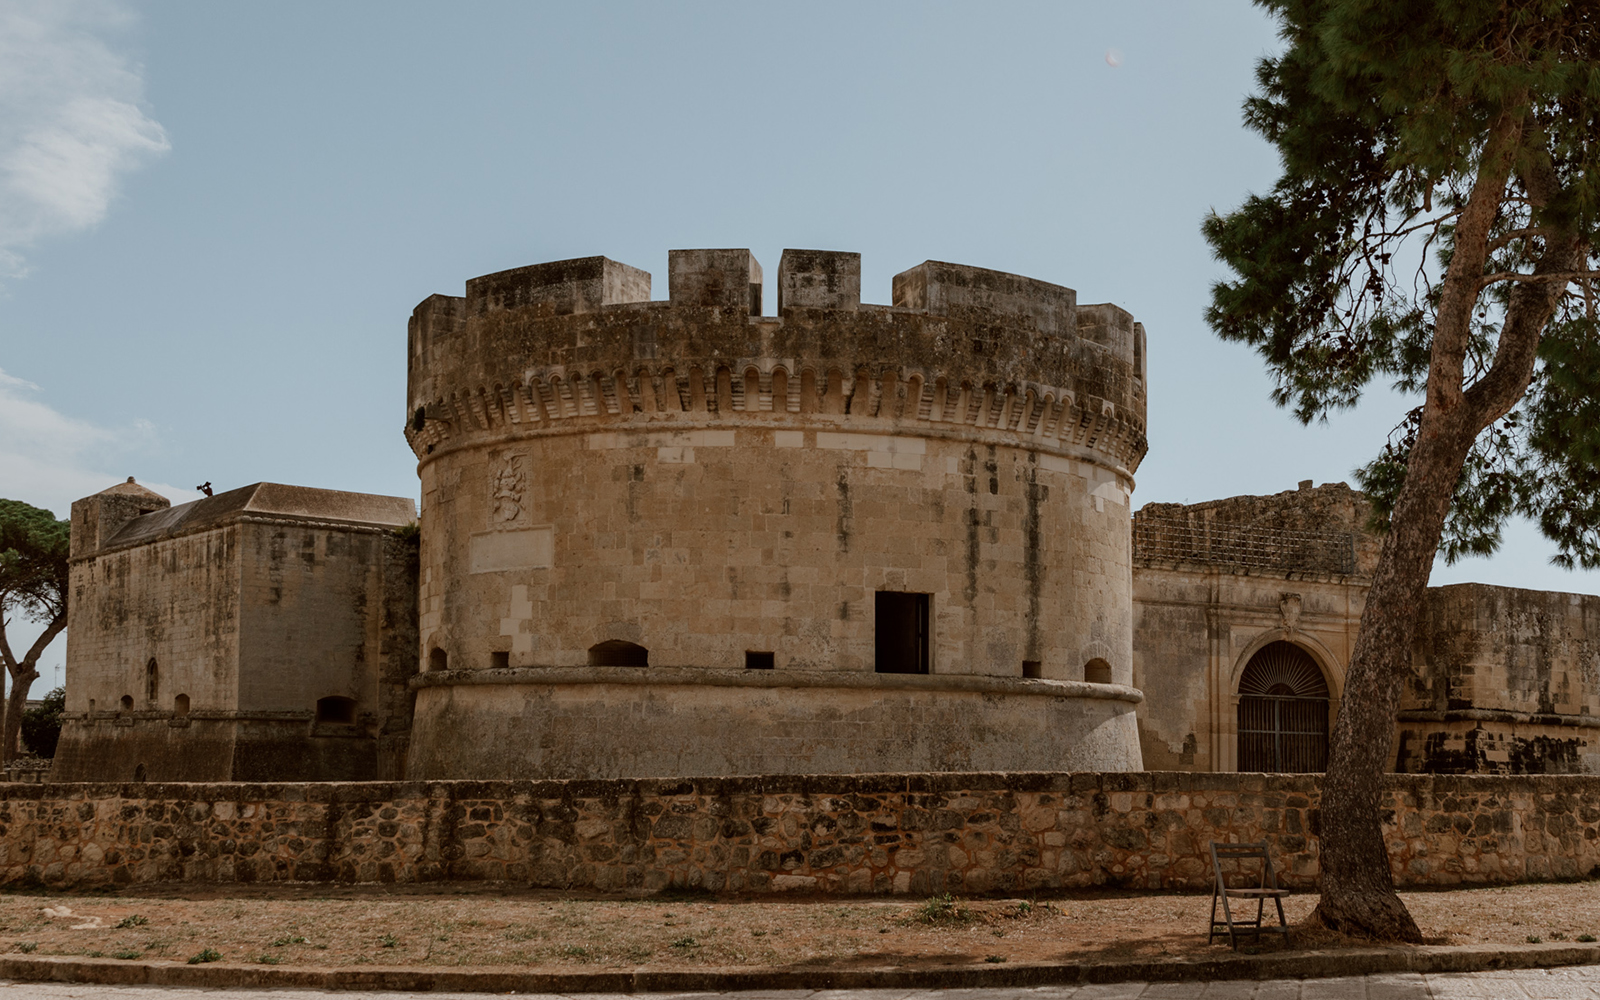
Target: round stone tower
[682,538]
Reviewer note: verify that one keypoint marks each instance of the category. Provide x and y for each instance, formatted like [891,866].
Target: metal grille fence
[1283,734]
[1198,540]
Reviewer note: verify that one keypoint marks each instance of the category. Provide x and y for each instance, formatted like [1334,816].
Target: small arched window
[180,705]
[618,653]
[152,680]
[336,709]
[127,703]
[1097,671]
[438,660]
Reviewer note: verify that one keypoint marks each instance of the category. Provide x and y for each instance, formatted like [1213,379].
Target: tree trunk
[23,675]
[1358,896]
[16,703]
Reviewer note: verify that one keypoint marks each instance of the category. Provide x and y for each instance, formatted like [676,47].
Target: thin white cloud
[49,459]
[71,122]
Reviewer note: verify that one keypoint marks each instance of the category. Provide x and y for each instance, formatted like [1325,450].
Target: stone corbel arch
[1228,746]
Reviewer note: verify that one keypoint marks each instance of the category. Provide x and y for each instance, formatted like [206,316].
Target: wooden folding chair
[1265,890]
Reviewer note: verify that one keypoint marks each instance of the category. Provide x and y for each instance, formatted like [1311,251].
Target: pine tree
[1434,226]
[33,581]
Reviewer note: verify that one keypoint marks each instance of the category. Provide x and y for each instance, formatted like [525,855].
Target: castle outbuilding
[683,538]
[262,634]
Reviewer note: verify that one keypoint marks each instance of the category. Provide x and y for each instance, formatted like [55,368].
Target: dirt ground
[445,925]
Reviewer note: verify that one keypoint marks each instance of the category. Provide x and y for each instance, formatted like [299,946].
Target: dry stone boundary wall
[885,833]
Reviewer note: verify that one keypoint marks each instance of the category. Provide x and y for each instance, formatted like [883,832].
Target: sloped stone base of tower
[624,722]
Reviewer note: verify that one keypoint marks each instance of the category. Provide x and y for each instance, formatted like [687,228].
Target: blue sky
[215,218]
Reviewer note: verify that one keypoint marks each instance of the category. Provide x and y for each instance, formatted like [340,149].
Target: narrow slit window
[1033,669]
[499,660]
[900,632]
[759,661]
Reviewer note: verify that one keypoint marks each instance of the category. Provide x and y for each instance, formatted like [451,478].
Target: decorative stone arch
[1227,746]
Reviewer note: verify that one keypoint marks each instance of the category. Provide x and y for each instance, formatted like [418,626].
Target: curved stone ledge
[705,677]
[665,722]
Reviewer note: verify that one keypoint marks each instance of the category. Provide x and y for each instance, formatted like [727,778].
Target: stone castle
[682,538]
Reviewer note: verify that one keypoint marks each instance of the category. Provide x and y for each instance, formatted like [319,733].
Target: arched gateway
[1283,711]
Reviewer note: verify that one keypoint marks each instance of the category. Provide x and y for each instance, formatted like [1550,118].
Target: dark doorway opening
[617,653]
[900,633]
[759,661]
[1283,712]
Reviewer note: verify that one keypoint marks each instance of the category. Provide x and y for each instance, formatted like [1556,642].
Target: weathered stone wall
[1214,583]
[1503,681]
[886,833]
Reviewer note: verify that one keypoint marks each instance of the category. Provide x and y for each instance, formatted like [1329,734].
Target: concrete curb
[1287,965]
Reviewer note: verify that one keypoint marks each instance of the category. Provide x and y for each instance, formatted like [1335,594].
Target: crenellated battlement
[962,351]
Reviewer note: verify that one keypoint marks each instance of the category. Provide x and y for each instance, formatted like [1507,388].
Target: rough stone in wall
[1504,681]
[1318,531]
[264,633]
[886,833]
[680,537]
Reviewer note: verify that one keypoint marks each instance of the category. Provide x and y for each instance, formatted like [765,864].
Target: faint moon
[1113,57]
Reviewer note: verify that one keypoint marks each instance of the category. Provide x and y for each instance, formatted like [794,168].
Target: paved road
[1574,983]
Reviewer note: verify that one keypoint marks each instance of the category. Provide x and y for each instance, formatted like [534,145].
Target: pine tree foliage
[1383,114]
[33,583]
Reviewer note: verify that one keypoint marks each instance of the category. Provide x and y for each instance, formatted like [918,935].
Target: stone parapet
[915,834]
[561,347]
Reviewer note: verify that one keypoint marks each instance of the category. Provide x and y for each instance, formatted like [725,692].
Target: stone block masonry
[917,834]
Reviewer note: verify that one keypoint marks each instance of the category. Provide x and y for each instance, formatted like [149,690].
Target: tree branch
[1530,308]
[1537,276]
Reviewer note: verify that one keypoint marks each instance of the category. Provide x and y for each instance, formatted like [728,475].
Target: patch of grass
[575,951]
[1557,936]
[388,941]
[944,909]
[94,954]
[127,953]
[208,955]
[27,947]
[289,939]
[1025,907]
[132,920]
[1535,939]
[686,943]
[268,959]
[994,958]
[1586,938]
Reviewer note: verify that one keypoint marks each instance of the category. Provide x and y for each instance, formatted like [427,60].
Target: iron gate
[1283,712]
